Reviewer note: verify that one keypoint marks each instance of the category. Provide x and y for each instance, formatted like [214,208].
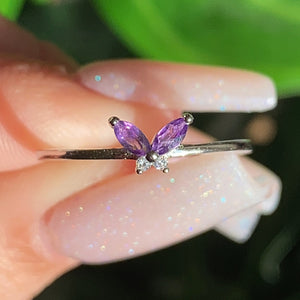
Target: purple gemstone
[170,136]
[131,138]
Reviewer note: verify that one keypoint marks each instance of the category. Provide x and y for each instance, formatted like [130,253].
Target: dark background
[208,266]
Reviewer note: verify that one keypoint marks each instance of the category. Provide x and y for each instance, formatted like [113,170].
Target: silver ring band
[242,147]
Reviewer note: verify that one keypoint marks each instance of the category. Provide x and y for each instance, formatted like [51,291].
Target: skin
[46,101]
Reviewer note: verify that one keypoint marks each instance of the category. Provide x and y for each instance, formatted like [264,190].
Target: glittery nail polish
[132,216]
[182,87]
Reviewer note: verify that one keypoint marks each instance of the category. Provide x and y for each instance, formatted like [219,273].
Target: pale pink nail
[258,172]
[239,227]
[181,87]
[138,214]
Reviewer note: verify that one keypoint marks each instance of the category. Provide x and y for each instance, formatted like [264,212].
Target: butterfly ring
[166,144]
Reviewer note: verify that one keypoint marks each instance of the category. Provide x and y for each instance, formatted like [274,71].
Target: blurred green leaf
[253,34]
[41,2]
[11,8]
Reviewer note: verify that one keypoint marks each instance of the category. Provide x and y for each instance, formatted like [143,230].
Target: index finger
[49,109]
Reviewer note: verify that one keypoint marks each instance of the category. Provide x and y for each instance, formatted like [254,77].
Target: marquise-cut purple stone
[132,138]
[170,136]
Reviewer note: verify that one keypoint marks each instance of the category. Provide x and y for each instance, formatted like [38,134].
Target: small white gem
[161,163]
[142,164]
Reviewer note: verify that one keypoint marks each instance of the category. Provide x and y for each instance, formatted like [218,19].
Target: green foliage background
[263,36]
[253,34]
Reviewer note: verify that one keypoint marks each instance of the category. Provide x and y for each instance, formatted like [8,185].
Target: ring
[166,144]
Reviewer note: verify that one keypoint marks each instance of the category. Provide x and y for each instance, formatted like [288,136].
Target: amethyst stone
[132,138]
[170,136]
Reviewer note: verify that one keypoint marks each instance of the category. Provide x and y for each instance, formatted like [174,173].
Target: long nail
[241,226]
[135,215]
[181,87]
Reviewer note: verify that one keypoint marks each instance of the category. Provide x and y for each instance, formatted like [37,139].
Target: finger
[47,89]
[39,188]
[29,254]
[180,87]
[127,217]
[51,53]
[25,196]
[50,109]
[35,206]
[16,41]
[187,203]
[57,123]
[197,195]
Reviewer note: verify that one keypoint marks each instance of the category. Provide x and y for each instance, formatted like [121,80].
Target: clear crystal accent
[161,163]
[142,164]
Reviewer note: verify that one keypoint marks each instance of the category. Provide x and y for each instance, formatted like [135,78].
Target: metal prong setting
[152,156]
[166,170]
[139,172]
[113,121]
[188,118]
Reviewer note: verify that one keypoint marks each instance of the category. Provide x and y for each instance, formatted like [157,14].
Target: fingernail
[179,86]
[240,227]
[268,181]
[138,214]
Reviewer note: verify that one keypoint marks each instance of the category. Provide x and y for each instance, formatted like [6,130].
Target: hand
[57,214]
